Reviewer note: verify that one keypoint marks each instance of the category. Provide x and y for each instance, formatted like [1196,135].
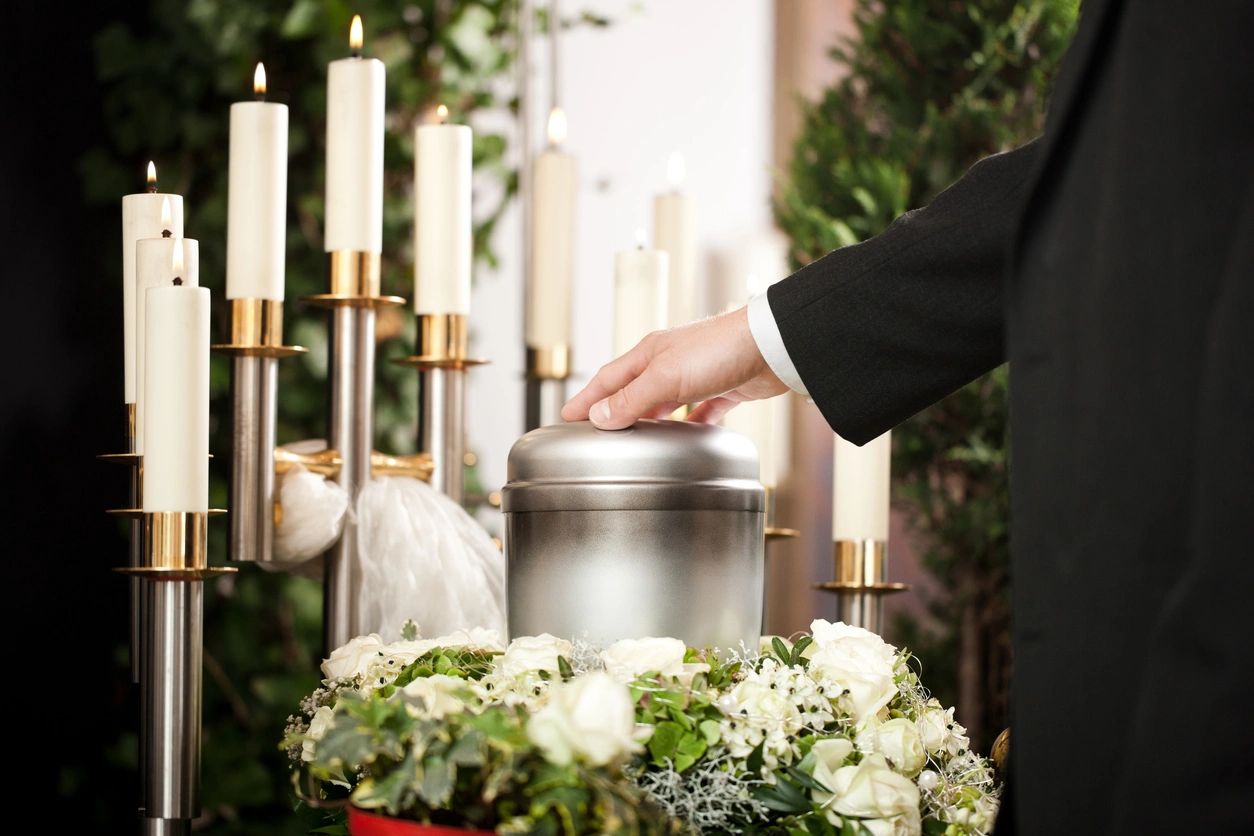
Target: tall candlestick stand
[861,582]
[255,348]
[135,544]
[547,372]
[442,358]
[174,567]
[353,300]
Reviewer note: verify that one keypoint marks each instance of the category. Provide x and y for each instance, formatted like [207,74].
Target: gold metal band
[443,337]
[176,540]
[257,330]
[861,566]
[328,463]
[176,547]
[130,427]
[548,362]
[354,273]
[861,562]
[256,323]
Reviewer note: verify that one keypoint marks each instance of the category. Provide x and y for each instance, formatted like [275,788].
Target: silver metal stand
[254,387]
[545,399]
[350,430]
[441,426]
[170,737]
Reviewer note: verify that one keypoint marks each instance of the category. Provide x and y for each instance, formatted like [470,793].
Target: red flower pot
[361,823]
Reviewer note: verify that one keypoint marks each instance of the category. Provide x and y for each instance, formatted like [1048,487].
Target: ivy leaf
[664,743]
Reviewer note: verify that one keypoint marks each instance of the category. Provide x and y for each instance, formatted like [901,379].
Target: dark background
[63,406]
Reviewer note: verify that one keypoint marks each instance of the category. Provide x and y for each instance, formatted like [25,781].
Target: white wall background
[691,76]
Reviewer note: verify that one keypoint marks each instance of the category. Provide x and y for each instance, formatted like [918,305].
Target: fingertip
[599,415]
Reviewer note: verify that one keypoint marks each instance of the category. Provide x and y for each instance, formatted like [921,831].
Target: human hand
[714,363]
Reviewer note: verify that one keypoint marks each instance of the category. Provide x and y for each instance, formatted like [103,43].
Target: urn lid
[651,465]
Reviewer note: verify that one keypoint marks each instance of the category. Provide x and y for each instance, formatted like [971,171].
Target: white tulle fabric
[422,556]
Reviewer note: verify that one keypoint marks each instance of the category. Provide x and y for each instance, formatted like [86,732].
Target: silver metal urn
[656,530]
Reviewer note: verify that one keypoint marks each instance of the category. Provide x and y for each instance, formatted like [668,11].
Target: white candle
[675,233]
[256,216]
[442,230]
[640,285]
[354,198]
[554,182]
[158,262]
[141,218]
[176,373]
[766,423]
[861,489]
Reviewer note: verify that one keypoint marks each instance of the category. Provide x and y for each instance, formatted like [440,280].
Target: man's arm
[874,332]
[879,330]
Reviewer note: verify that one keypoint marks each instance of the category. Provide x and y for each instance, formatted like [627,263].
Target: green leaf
[710,731]
[665,741]
[799,648]
[781,649]
[564,668]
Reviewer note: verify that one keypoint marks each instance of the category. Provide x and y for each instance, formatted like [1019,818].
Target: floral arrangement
[828,735]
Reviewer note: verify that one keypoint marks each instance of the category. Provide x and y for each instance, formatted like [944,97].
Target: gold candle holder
[442,342]
[176,547]
[861,582]
[355,281]
[257,330]
[548,362]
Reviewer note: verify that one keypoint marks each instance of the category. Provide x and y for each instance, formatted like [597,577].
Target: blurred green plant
[168,87]
[930,87]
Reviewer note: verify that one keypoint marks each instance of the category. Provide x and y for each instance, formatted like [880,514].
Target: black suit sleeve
[879,330]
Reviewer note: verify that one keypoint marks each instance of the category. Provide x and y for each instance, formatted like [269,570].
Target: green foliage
[168,87]
[476,770]
[932,87]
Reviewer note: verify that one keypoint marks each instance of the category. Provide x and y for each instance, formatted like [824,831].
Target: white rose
[898,826]
[865,674]
[829,756]
[630,658]
[871,790]
[319,724]
[898,740]
[354,658]
[759,701]
[939,732]
[590,718]
[435,696]
[854,639]
[529,654]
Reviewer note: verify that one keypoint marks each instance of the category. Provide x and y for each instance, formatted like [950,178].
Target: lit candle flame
[355,37]
[675,170]
[177,260]
[441,114]
[557,126]
[259,79]
[167,217]
[152,176]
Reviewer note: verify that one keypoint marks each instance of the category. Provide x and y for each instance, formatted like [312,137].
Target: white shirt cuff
[771,344]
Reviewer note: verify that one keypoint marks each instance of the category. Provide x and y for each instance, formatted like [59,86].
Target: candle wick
[178,282]
[152,188]
[356,53]
[165,233]
[261,97]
